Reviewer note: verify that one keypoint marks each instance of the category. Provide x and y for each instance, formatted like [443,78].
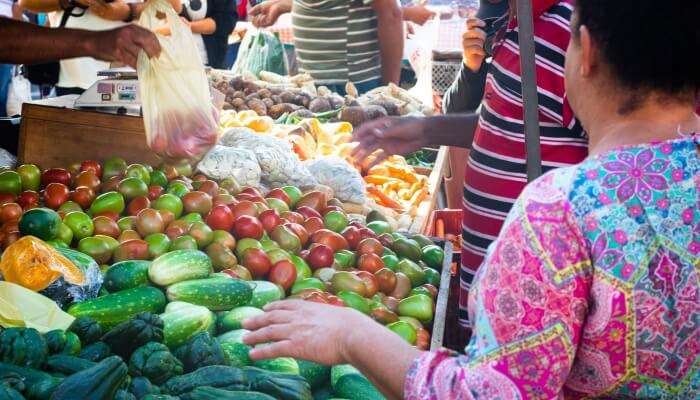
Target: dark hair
[650,45]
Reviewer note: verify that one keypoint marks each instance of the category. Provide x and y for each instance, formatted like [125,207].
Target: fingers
[284,348]
[474,34]
[290,305]
[272,333]
[475,23]
[147,41]
[267,319]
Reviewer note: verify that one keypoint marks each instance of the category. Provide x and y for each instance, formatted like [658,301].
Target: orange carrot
[383,198]
[440,228]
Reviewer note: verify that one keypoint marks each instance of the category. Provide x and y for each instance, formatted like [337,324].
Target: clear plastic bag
[19,92]
[261,51]
[178,113]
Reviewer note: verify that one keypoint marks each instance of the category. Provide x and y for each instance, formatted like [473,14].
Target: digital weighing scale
[117,91]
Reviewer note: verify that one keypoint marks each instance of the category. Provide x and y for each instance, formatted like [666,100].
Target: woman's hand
[305,330]
[473,44]
[391,135]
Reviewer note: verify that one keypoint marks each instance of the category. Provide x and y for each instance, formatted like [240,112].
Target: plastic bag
[7,160]
[261,51]
[343,178]
[419,51]
[180,119]
[223,162]
[19,92]
[20,307]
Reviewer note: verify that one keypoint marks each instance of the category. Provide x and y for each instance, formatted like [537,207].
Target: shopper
[25,43]
[340,41]
[592,288]
[8,9]
[496,171]
[211,22]
[78,74]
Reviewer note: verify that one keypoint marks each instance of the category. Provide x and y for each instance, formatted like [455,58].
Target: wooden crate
[426,207]
[442,301]
[54,137]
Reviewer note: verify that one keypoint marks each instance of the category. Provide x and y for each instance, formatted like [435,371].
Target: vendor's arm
[25,43]
[404,135]
[390,35]
[267,12]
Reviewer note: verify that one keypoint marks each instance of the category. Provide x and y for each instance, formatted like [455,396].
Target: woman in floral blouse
[591,289]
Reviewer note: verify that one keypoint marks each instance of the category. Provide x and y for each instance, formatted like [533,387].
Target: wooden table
[54,135]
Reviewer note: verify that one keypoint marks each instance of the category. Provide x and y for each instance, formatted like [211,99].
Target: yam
[237,83]
[356,116]
[238,102]
[319,105]
[268,102]
[250,87]
[351,101]
[258,106]
[239,94]
[252,96]
[375,112]
[288,97]
[324,91]
[264,93]
[336,101]
[276,99]
[390,108]
[278,110]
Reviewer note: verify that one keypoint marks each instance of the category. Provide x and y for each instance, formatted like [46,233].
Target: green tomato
[335,221]
[126,223]
[354,300]
[192,218]
[245,244]
[132,187]
[65,234]
[277,204]
[113,167]
[10,182]
[169,202]
[379,227]
[69,207]
[110,201]
[158,178]
[138,171]
[433,256]
[432,277]
[345,259]
[418,306]
[405,330]
[97,247]
[276,255]
[303,269]
[158,244]
[43,223]
[294,194]
[308,283]
[178,189]
[388,251]
[185,242]
[80,223]
[30,175]
[57,244]
[391,261]
[268,244]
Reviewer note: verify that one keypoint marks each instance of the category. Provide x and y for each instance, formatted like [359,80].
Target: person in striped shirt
[496,169]
[340,41]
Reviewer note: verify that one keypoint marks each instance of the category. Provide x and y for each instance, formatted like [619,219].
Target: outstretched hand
[390,135]
[123,44]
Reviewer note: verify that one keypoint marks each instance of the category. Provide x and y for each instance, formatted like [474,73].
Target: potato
[238,102]
[264,93]
[239,94]
[258,106]
[302,99]
[268,102]
[228,106]
[277,110]
[237,83]
[375,112]
[252,96]
[389,107]
[250,87]
[276,98]
[319,105]
[287,97]
[356,116]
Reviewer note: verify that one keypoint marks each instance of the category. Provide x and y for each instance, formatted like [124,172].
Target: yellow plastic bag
[31,263]
[20,307]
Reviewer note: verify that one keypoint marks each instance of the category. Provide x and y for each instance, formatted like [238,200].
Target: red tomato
[270,219]
[90,165]
[55,194]
[257,262]
[313,225]
[109,214]
[209,187]
[246,226]
[220,217]
[320,256]
[6,198]
[111,184]
[249,197]
[55,175]
[308,212]
[10,212]
[154,192]
[336,301]
[300,231]
[244,207]
[83,195]
[28,198]
[280,194]
[370,282]
[370,246]
[370,262]
[292,216]
[137,204]
[352,235]
[284,274]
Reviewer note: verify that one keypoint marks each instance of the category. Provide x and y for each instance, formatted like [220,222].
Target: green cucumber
[112,309]
[283,365]
[233,319]
[68,365]
[265,292]
[126,275]
[216,294]
[183,320]
[178,266]
[315,374]
[349,383]
[233,336]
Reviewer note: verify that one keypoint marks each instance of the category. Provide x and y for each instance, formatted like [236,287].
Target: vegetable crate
[421,221]
[441,304]
[452,335]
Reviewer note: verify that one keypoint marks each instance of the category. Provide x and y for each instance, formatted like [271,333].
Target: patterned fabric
[496,170]
[591,290]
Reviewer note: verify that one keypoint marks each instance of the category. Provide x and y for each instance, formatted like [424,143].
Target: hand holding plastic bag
[179,117]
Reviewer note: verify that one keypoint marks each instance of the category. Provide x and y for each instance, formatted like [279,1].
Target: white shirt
[6,8]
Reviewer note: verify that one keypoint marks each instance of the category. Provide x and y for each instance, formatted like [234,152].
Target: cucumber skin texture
[126,275]
[349,383]
[178,266]
[265,292]
[231,320]
[112,309]
[217,294]
[183,320]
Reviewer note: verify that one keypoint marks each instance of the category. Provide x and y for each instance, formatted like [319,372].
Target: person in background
[417,13]
[25,43]
[211,21]
[466,92]
[340,41]
[78,74]
[592,289]
[8,9]
[496,169]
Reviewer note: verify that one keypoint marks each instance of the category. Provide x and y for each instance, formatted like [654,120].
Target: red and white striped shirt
[496,169]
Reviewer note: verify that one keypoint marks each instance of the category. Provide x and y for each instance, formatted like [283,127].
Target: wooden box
[55,137]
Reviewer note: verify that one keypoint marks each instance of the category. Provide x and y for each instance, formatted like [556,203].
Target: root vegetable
[319,105]
[258,106]
[374,112]
[356,116]
[277,110]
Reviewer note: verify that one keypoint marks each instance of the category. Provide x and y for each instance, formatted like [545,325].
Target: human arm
[267,12]
[390,36]
[26,43]
[418,14]
[466,92]
[404,135]
[205,26]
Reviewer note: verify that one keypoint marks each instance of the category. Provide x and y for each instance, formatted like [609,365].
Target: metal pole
[526,38]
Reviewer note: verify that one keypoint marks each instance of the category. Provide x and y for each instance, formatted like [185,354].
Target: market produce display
[160,266]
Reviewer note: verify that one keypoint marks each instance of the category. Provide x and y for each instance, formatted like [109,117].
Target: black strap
[64,18]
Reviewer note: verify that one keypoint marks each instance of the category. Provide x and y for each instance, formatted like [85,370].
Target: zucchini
[9,393]
[112,309]
[39,384]
[98,382]
[179,265]
[215,294]
[210,393]
[316,374]
[349,383]
[67,365]
[126,275]
[183,320]
[218,376]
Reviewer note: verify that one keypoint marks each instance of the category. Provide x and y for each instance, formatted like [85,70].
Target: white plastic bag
[178,113]
[419,49]
[19,92]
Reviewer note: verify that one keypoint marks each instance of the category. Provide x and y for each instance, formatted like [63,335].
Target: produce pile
[160,266]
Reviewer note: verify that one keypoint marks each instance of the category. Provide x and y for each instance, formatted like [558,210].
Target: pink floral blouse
[591,289]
